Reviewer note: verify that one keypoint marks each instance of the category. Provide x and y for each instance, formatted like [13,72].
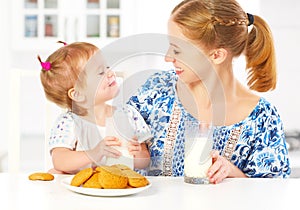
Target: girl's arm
[69,161]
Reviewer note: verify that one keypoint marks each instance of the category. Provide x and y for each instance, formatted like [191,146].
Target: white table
[17,192]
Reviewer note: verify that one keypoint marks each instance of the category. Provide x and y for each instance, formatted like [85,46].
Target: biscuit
[112,178]
[121,166]
[41,176]
[135,179]
[93,181]
[81,176]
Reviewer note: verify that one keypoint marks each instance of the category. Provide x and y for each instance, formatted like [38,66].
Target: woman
[205,37]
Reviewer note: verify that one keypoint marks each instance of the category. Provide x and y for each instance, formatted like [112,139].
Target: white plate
[101,192]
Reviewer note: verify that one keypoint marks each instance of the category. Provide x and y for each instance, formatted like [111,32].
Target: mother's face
[190,62]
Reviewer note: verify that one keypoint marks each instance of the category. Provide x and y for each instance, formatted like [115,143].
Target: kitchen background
[32,27]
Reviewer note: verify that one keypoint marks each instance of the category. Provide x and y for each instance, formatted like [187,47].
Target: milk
[192,165]
[126,158]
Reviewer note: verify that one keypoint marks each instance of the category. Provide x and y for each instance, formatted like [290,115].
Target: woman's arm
[221,168]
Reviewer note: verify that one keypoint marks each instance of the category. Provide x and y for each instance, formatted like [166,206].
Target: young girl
[76,78]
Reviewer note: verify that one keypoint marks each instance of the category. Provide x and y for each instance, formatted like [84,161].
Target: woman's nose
[169,58]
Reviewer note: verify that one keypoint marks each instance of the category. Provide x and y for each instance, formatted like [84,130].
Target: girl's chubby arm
[69,161]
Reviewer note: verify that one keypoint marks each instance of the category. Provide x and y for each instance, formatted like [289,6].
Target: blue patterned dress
[256,145]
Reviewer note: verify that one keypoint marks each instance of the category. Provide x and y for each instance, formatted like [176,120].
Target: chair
[16,75]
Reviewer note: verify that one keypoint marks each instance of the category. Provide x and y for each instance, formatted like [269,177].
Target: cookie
[41,176]
[81,176]
[112,178]
[121,166]
[93,181]
[135,179]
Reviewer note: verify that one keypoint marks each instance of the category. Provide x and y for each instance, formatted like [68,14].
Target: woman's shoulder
[161,79]
[264,113]
[266,107]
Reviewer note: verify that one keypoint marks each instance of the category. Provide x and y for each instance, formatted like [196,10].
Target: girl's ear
[75,95]
[218,56]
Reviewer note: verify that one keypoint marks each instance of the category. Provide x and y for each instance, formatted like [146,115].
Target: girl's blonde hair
[224,24]
[67,64]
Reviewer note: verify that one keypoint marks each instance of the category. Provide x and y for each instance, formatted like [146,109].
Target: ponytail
[260,57]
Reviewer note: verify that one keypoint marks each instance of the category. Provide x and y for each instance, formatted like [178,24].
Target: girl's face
[191,64]
[101,84]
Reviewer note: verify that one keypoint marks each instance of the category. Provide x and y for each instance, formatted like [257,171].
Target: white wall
[5,62]
[283,18]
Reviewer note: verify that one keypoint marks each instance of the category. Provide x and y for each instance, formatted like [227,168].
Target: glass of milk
[198,146]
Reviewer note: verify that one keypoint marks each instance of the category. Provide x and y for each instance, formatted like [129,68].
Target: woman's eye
[175,52]
[101,73]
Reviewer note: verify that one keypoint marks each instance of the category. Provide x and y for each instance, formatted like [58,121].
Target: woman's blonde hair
[224,24]
[66,64]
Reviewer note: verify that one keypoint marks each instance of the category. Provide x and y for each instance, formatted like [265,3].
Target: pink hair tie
[45,65]
[64,43]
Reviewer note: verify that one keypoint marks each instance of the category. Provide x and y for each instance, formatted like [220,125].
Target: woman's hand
[221,168]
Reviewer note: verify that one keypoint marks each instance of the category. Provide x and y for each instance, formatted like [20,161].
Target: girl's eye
[101,73]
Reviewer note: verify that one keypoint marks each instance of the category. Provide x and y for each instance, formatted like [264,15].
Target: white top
[17,192]
[73,132]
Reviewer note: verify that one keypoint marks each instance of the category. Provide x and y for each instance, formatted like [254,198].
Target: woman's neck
[208,98]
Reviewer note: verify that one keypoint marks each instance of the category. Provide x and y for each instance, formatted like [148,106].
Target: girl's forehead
[95,61]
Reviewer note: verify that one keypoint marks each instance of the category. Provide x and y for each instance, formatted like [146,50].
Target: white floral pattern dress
[73,132]
[256,145]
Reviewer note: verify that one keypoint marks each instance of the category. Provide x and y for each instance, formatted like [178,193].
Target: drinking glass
[126,158]
[198,146]
[125,124]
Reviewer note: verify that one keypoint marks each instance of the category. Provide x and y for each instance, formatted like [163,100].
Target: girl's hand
[140,153]
[104,148]
[134,147]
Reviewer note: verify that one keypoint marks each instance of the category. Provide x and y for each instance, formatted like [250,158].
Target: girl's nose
[110,73]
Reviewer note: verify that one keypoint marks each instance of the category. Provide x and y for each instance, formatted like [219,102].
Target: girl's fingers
[111,152]
[112,141]
[133,143]
[134,148]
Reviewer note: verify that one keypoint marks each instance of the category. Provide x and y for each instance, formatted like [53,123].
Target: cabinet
[40,23]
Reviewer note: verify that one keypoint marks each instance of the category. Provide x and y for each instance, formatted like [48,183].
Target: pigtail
[46,66]
[260,57]
[61,42]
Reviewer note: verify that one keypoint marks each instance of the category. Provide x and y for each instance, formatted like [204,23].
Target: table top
[18,192]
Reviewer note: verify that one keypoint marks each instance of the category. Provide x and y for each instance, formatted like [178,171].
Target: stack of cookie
[109,177]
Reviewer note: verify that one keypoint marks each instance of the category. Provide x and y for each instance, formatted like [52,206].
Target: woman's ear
[75,95]
[218,56]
